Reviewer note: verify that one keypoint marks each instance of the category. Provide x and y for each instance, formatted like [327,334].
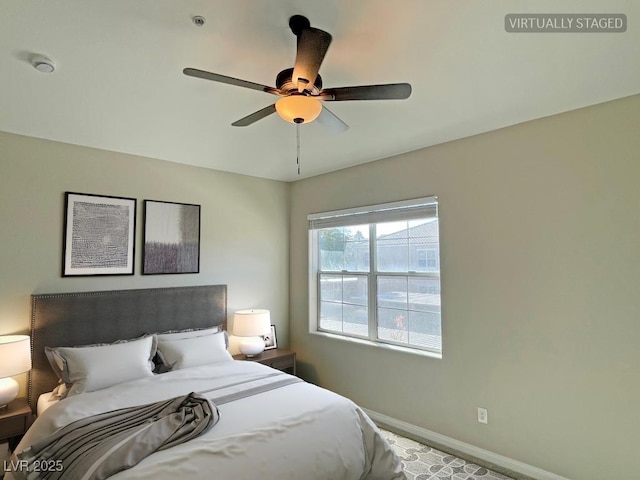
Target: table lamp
[15,358]
[250,324]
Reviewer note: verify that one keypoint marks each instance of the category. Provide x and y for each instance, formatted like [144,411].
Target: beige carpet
[422,462]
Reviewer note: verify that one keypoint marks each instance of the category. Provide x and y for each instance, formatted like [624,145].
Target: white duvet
[297,432]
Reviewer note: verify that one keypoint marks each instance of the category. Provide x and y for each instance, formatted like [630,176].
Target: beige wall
[244,226]
[540,255]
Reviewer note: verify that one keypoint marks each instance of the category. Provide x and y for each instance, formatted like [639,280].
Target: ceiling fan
[300,87]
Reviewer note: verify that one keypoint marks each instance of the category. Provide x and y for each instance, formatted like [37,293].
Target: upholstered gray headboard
[68,319]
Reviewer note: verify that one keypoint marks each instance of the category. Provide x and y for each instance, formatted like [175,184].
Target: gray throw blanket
[99,446]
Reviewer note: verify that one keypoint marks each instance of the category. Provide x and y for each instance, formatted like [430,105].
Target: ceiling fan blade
[255,116]
[216,77]
[390,91]
[330,121]
[313,44]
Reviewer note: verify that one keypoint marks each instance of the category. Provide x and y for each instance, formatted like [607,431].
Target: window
[427,258]
[375,273]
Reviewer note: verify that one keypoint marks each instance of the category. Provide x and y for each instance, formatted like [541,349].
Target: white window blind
[426,207]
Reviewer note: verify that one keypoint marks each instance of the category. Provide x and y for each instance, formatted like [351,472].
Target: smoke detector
[43,64]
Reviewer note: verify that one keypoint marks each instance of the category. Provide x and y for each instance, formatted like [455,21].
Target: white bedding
[297,432]
[45,401]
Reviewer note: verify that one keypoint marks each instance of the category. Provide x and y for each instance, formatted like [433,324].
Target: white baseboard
[464,448]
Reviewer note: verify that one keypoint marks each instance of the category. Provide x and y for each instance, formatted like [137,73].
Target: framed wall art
[99,235]
[171,238]
[270,341]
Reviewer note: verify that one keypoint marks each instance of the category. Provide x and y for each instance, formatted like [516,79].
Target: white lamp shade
[251,323]
[15,355]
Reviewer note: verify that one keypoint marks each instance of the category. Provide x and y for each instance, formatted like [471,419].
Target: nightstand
[275,358]
[14,421]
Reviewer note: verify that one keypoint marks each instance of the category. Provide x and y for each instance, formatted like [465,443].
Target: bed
[271,425]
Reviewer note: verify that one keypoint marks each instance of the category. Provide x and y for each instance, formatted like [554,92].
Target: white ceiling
[119,84]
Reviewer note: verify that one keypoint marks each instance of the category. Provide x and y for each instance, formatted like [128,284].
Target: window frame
[372,274]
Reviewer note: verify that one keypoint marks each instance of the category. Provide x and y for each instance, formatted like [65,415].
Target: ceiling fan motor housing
[285,84]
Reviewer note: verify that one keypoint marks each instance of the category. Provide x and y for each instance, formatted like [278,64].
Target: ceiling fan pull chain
[298,146]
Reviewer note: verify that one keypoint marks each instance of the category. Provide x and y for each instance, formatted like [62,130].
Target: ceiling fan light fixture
[295,108]
[300,88]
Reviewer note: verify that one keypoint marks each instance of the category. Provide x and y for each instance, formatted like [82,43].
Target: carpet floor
[422,462]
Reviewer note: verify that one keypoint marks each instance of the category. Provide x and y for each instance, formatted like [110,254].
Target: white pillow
[177,335]
[90,368]
[193,352]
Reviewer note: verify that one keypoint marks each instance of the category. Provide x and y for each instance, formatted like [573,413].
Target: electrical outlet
[483,415]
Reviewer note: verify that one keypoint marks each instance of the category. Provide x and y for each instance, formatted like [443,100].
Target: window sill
[385,346]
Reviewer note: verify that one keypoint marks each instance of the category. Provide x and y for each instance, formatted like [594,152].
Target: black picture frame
[99,235]
[270,341]
[171,242]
